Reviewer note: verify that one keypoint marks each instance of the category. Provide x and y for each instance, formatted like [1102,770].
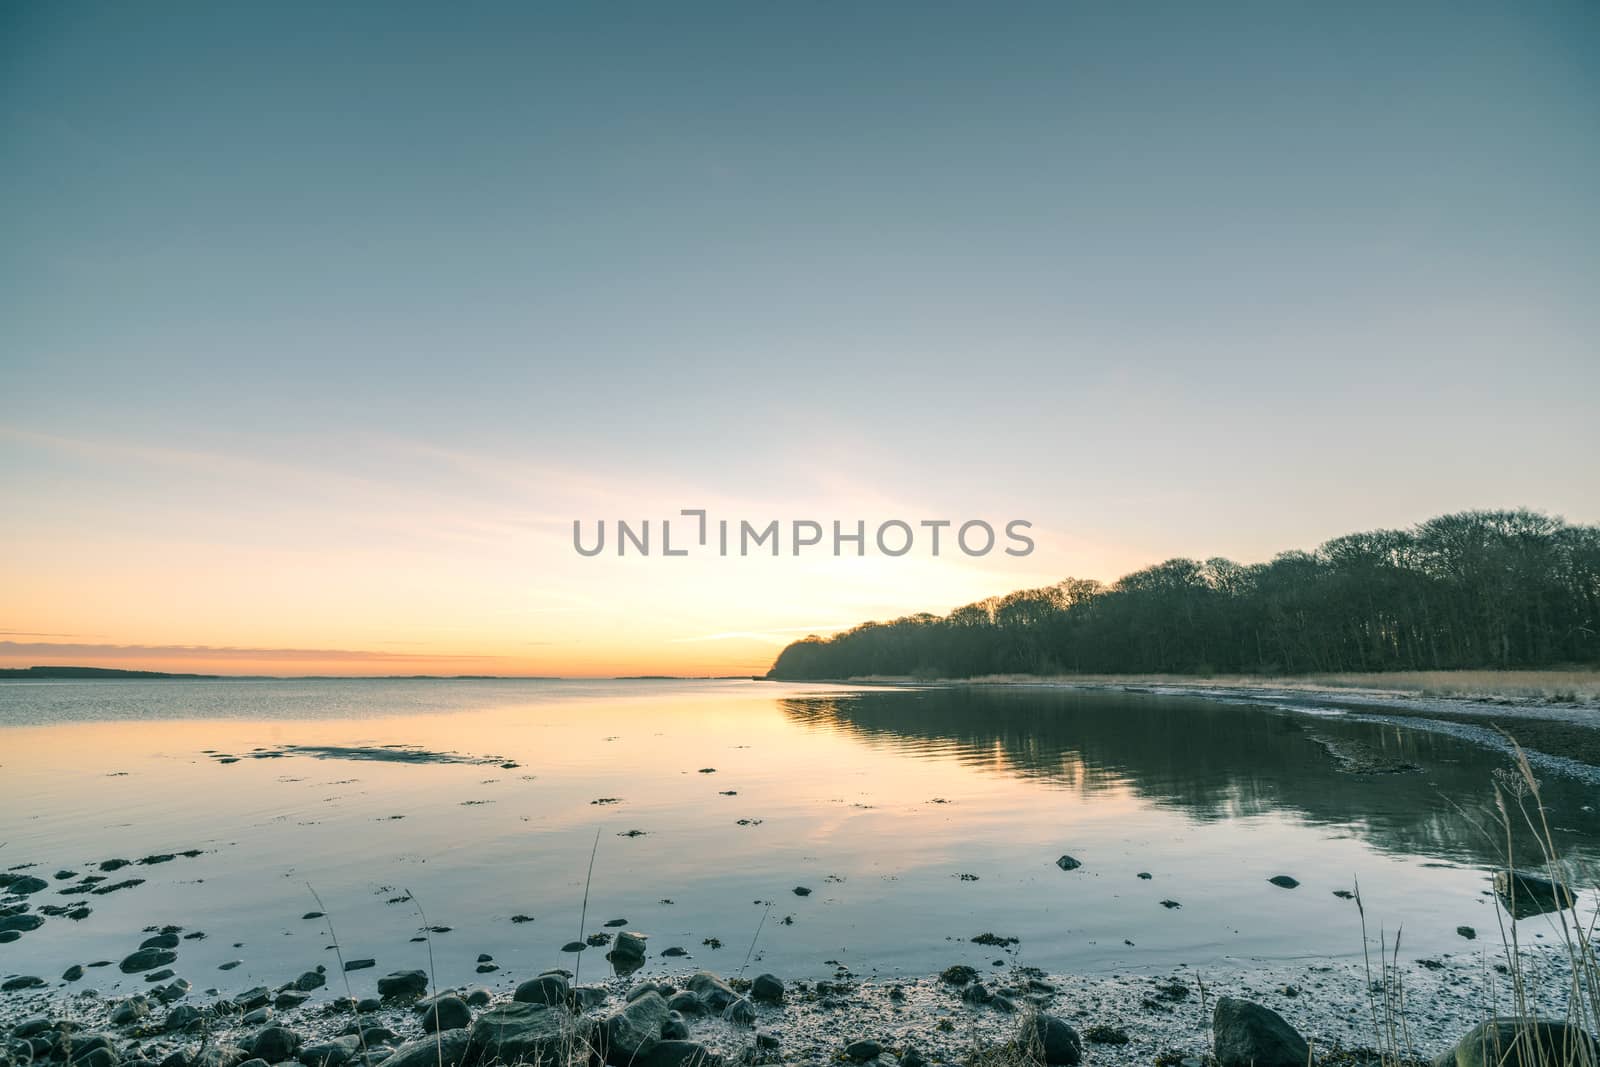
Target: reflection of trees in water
[1211,760]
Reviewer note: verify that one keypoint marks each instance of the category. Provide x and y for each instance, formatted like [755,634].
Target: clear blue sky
[1175,278]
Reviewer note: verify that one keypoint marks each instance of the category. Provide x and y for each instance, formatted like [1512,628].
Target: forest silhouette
[1476,589]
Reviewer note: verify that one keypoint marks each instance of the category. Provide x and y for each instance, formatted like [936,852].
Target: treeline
[1483,589]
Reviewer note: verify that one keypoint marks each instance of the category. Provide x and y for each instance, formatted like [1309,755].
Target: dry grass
[1519,806]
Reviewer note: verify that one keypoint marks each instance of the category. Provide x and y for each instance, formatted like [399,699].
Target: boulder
[1051,1039]
[147,959]
[679,1054]
[331,1053]
[520,1032]
[550,989]
[126,1012]
[712,991]
[182,1017]
[687,1003]
[741,1012]
[446,1049]
[863,1050]
[275,1044]
[628,946]
[403,984]
[634,1030]
[1525,894]
[1523,1041]
[447,1013]
[767,987]
[1249,1035]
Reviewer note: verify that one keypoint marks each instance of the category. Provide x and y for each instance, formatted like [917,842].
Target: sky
[320,324]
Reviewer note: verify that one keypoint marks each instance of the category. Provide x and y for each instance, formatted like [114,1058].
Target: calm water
[878,801]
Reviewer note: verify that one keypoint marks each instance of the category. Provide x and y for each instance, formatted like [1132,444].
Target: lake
[916,818]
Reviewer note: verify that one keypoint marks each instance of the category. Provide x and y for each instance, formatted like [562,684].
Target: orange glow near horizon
[442,564]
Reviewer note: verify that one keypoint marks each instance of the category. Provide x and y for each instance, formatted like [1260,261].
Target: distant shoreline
[74,673]
[1554,715]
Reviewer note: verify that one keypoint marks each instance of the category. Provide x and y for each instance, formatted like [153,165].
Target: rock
[519,1032]
[476,997]
[912,1058]
[1283,881]
[221,1056]
[73,973]
[629,946]
[129,1011]
[448,1049]
[976,993]
[1467,932]
[275,1044]
[21,981]
[253,998]
[368,1005]
[713,992]
[359,965]
[1249,1035]
[678,1053]
[447,1013]
[1067,863]
[863,1050]
[641,989]
[635,1029]
[767,987]
[553,989]
[676,1028]
[1053,1040]
[25,885]
[289,998]
[687,1003]
[182,1017]
[259,1017]
[175,990]
[403,984]
[97,1057]
[801,891]
[21,924]
[331,1053]
[378,1035]
[1528,894]
[160,976]
[147,959]
[310,980]
[1522,1041]
[167,940]
[586,997]
[741,1013]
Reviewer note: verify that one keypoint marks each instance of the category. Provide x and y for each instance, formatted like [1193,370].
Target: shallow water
[476,801]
